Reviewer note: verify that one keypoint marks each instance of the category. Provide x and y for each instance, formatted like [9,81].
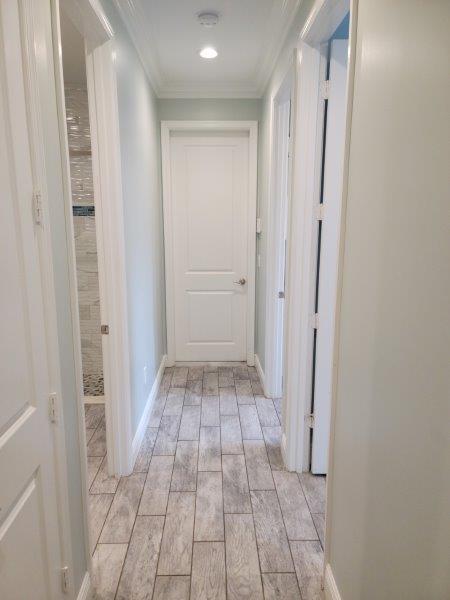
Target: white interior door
[209,201]
[29,542]
[329,248]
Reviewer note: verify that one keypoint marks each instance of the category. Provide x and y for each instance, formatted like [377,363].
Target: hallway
[209,512]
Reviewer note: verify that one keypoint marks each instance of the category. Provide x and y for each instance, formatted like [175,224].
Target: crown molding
[133,16]
[273,49]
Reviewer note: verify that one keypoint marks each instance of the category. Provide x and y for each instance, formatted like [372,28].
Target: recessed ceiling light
[208,52]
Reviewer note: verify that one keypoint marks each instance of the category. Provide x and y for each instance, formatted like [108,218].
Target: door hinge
[320,211]
[104,329]
[315,320]
[65,583]
[37,207]
[280,294]
[310,420]
[326,89]
[53,408]
[258,225]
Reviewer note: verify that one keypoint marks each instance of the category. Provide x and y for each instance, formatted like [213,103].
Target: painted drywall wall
[390,488]
[178,109]
[141,168]
[264,149]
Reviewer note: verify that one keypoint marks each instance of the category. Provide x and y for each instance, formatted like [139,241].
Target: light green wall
[198,109]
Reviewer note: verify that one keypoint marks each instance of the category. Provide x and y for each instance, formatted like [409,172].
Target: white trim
[325,16]
[261,373]
[94,399]
[166,128]
[330,587]
[140,431]
[85,588]
[106,163]
[275,311]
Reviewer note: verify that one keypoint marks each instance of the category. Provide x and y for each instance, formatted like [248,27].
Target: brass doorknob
[241,281]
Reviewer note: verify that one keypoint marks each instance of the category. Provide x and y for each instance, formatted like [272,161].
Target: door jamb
[91,21]
[273,375]
[167,127]
[324,17]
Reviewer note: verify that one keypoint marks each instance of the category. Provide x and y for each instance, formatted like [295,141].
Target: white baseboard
[94,399]
[260,373]
[140,431]
[330,587]
[85,589]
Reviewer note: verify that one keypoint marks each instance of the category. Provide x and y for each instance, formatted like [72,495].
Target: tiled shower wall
[85,237]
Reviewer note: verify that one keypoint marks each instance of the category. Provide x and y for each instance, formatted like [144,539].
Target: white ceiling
[248,37]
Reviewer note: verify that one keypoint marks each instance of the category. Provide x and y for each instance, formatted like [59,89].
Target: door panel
[209,186]
[29,540]
[329,249]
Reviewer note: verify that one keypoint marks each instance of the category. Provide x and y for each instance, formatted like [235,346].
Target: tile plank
[236,495]
[106,568]
[319,522]
[244,392]
[93,465]
[273,545]
[279,586]
[174,402]
[210,411]
[209,508]
[184,476]
[308,561]
[172,588]
[97,443]
[272,438]
[176,546]
[266,410]
[166,440]
[258,467]
[297,518]
[190,423]
[210,384]
[145,451]
[251,429]
[194,390]
[104,483]
[230,432]
[179,377]
[208,571]
[139,570]
[93,414]
[228,404]
[241,372]
[99,505]
[195,373]
[314,487]
[209,451]
[157,485]
[157,411]
[243,575]
[120,520]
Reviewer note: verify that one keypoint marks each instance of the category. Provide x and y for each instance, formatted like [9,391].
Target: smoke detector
[208,19]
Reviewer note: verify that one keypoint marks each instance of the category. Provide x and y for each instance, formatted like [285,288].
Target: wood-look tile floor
[209,511]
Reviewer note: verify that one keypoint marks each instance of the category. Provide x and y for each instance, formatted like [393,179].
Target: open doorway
[277,235]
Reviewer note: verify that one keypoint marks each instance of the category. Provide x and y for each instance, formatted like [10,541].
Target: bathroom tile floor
[209,511]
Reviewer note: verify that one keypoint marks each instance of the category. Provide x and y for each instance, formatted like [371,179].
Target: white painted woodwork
[29,532]
[209,194]
[329,252]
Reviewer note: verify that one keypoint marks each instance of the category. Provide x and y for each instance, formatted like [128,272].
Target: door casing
[167,127]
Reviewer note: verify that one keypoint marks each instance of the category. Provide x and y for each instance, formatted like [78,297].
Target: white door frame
[274,345]
[323,20]
[167,127]
[91,21]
